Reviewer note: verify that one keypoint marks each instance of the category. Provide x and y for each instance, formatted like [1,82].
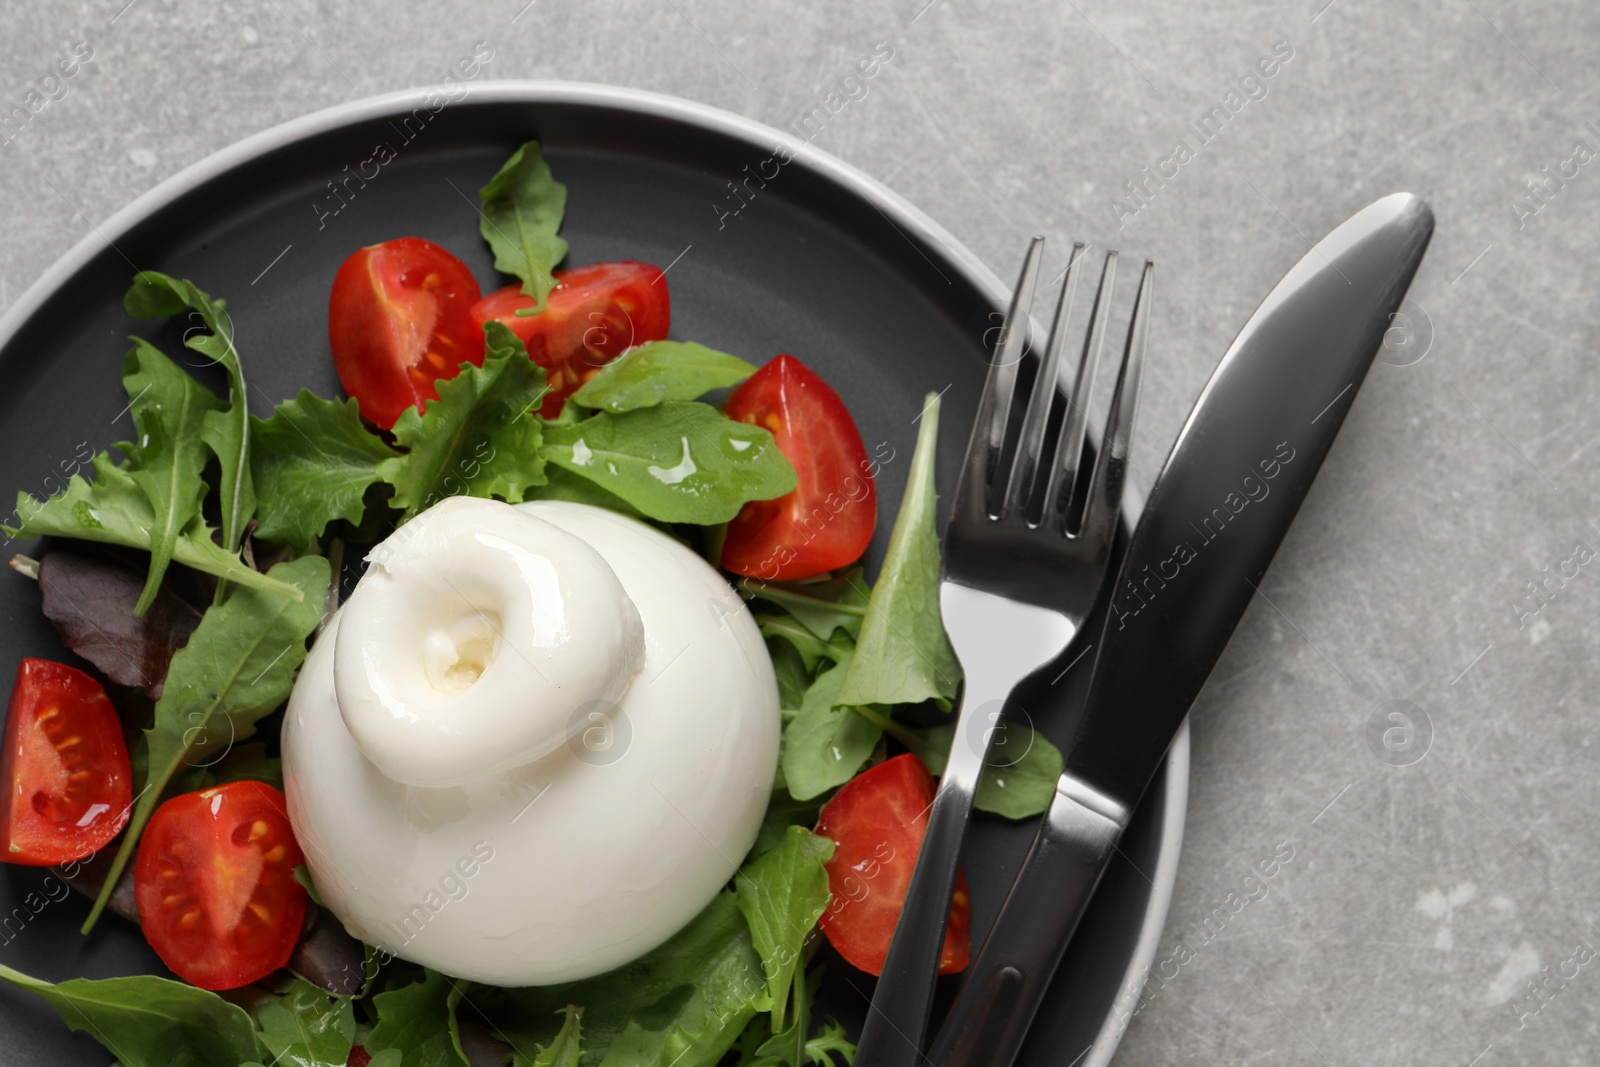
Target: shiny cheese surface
[535,742]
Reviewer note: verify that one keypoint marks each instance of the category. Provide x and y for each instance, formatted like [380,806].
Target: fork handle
[898,1019]
[990,1018]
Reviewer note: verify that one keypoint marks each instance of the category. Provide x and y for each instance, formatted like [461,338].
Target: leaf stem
[784,596]
[886,724]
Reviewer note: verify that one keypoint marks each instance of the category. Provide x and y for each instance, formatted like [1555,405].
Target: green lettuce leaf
[782,895]
[312,462]
[822,607]
[783,813]
[566,1048]
[797,1046]
[521,210]
[237,666]
[305,1027]
[226,430]
[676,463]
[416,1020]
[813,651]
[167,456]
[826,743]
[147,1021]
[1019,773]
[903,655]
[480,438]
[794,677]
[658,371]
[562,484]
[681,1005]
[113,510]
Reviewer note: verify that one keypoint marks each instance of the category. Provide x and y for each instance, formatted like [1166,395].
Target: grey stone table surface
[1423,902]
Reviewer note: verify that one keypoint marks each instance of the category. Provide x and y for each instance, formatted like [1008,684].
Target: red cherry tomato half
[359,1057]
[398,320]
[828,519]
[593,315]
[67,785]
[215,884]
[877,822]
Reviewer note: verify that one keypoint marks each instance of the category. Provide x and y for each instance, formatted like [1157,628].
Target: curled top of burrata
[534,743]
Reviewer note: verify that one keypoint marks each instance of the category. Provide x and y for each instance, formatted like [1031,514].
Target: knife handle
[996,1005]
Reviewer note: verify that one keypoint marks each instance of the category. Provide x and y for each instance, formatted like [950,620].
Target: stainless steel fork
[1020,574]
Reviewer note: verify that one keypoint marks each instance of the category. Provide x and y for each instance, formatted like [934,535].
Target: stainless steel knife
[1222,503]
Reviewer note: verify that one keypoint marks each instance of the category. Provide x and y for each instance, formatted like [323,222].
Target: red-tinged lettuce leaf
[238,666]
[89,592]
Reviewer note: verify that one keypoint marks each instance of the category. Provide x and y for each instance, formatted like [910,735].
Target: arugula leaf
[564,1050]
[782,895]
[820,1048]
[168,456]
[783,812]
[311,462]
[480,438]
[113,510]
[521,211]
[226,430]
[657,371]
[562,484]
[684,1003]
[1019,773]
[796,1046]
[794,677]
[239,665]
[147,1021]
[783,629]
[414,1019]
[811,649]
[677,463]
[838,603]
[903,655]
[826,743]
[305,1027]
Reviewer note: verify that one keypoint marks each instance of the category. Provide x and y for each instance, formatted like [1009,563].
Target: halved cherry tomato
[359,1057]
[65,782]
[215,884]
[828,519]
[398,320]
[593,315]
[877,822]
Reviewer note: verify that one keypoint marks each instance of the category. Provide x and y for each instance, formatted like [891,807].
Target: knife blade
[1221,505]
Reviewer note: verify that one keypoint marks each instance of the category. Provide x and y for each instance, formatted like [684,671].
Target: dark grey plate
[819,260]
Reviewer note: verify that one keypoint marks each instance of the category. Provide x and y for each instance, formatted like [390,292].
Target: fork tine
[994,404]
[1111,465]
[1074,428]
[1025,465]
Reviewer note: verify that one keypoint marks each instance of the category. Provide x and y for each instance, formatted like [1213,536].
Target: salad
[197,569]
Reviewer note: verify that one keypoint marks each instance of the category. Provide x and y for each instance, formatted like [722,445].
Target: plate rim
[898,210]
